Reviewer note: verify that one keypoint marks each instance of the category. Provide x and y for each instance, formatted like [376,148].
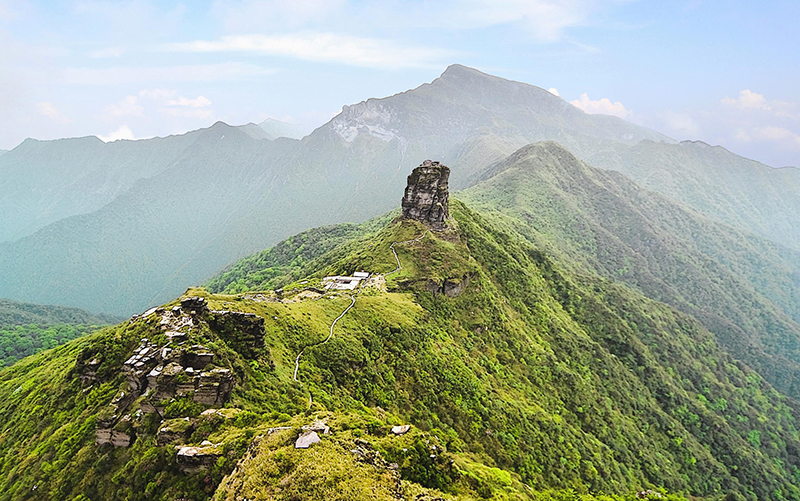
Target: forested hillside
[26,329]
[743,288]
[527,374]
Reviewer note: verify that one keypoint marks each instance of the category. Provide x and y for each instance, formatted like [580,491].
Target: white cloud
[198,102]
[200,113]
[747,100]
[49,110]
[325,47]
[682,123]
[123,132]
[192,73]
[769,134]
[602,106]
[127,107]
[553,91]
[545,20]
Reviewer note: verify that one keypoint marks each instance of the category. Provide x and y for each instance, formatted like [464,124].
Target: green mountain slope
[735,190]
[29,328]
[523,378]
[14,313]
[743,288]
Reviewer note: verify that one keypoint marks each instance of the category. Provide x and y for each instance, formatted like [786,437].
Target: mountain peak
[426,195]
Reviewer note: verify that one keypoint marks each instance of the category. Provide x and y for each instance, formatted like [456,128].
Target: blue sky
[724,72]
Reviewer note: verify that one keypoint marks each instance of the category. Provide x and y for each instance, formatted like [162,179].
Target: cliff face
[426,196]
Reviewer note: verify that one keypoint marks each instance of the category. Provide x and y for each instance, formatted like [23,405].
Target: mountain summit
[235,191]
[427,196]
[460,365]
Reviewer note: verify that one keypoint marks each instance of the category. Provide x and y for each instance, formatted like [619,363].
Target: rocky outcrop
[243,331]
[174,431]
[426,196]
[192,459]
[114,437]
[158,373]
[450,287]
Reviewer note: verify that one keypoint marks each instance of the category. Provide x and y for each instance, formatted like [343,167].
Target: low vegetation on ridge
[531,383]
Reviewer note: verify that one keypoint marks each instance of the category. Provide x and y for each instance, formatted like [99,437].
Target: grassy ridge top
[530,376]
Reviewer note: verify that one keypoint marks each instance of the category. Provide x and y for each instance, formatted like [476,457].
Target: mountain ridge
[567,383]
[465,118]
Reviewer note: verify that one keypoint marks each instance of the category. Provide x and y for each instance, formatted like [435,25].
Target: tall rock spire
[426,196]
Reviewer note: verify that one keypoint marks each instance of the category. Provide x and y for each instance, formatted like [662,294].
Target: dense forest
[20,341]
[27,328]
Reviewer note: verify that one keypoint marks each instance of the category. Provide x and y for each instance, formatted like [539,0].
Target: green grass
[534,383]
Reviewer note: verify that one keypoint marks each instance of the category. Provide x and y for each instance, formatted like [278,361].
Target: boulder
[401,429]
[426,198]
[306,440]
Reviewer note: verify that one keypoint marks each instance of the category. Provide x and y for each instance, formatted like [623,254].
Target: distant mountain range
[147,218]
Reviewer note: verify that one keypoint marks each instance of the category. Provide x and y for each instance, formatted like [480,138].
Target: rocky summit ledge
[426,195]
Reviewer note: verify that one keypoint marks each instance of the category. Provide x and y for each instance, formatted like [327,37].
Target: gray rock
[306,440]
[401,429]
[426,197]
[193,459]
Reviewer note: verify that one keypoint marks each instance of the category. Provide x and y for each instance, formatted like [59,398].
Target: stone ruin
[156,374]
[426,195]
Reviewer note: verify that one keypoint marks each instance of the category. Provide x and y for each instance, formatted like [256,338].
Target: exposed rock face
[191,459]
[174,431]
[157,373]
[451,287]
[306,440]
[426,196]
[243,331]
[113,437]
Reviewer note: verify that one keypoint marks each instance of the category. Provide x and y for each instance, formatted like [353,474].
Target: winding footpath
[353,302]
[330,335]
[391,247]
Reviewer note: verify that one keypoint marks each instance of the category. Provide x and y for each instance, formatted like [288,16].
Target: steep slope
[526,373]
[727,187]
[743,288]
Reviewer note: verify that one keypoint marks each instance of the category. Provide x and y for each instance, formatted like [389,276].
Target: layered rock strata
[426,195]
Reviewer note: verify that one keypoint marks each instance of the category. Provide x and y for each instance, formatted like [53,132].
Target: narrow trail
[391,247]
[330,335]
[352,303]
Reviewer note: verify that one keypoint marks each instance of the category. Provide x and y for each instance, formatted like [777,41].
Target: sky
[724,72]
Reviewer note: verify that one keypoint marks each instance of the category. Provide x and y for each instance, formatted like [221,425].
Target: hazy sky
[726,72]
